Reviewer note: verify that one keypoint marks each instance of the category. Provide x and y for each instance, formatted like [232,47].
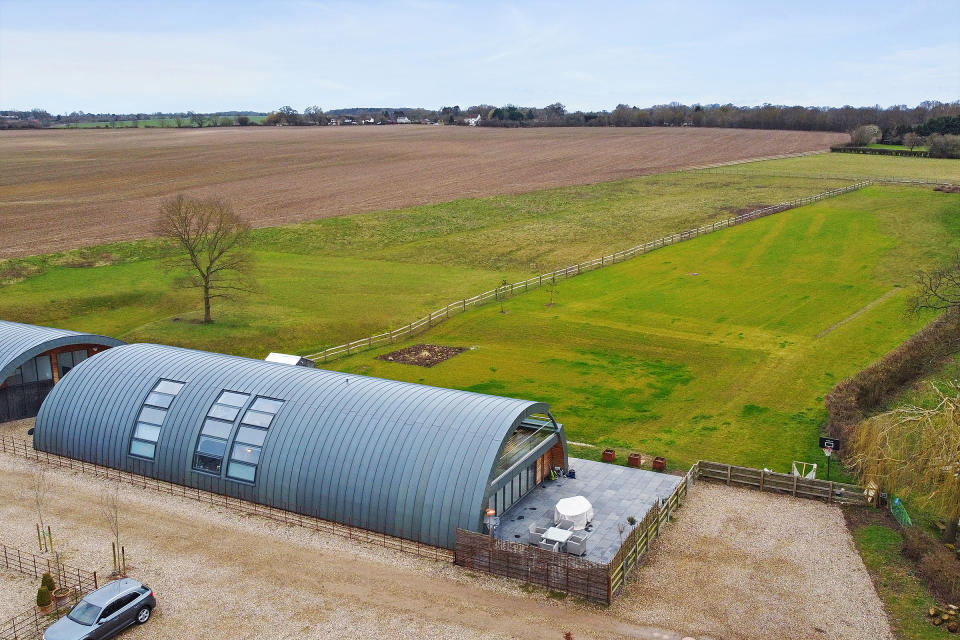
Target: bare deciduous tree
[938,288]
[917,451]
[110,510]
[41,488]
[214,241]
[911,140]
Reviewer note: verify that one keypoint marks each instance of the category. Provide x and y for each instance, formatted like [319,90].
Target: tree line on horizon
[924,119]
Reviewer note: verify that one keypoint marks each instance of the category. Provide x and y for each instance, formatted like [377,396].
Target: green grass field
[725,364]
[852,166]
[904,595]
[718,348]
[339,279]
[896,147]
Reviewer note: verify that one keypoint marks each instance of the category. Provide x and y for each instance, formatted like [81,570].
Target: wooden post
[830,497]
[762,474]
[794,486]
[49,538]
[728,475]
[39,539]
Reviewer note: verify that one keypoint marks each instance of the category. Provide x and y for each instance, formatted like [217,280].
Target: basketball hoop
[827,451]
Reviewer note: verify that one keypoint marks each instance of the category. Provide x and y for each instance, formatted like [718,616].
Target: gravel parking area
[734,564]
[738,563]
[217,573]
[17,594]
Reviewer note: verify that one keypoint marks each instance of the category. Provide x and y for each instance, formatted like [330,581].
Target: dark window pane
[241,471]
[211,446]
[223,412]
[233,399]
[267,405]
[169,386]
[147,432]
[44,370]
[29,370]
[152,415]
[246,453]
[65,359]
[79,356]
[159,399]
[142,449]
[207,463]
[251,436]
[257,419]
[217,429]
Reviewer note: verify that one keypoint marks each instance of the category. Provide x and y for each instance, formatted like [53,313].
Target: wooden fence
[21,448]
[30,624]
[785,483]
[637,543]
[881,152]
[562,572]
[435,317]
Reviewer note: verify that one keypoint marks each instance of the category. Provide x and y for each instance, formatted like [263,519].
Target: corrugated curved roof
[20,342]
[403,459]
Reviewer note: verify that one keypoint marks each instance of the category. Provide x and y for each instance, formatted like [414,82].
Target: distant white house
[474,121]
[403,120]
[369,121]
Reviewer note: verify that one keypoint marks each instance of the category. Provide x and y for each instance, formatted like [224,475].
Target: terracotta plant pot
[45,610]
[609,455]
[659,464]
[61,595]
[635,460]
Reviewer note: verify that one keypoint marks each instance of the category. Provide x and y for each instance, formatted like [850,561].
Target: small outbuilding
[34,358]
[406,460]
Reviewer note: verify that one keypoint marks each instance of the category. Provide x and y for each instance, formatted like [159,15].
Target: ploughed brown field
[63,189]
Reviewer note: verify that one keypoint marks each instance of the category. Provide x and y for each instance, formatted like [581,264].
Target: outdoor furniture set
[570,518]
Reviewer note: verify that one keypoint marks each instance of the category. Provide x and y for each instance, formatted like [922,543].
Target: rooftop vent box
[286,358]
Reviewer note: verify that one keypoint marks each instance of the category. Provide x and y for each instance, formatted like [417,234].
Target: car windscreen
[84,613]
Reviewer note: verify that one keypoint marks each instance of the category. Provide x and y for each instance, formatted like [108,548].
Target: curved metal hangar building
[407,460]
[33,359]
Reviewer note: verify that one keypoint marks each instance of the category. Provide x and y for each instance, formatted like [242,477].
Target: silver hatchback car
[105,612]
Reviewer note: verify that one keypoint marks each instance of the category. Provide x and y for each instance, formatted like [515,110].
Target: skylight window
[248,443]
[212,444]
[146,433]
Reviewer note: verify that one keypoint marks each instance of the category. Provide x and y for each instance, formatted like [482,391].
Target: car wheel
[143,615]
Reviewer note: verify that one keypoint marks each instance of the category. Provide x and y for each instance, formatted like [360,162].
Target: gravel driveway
[738,563]
[735,564]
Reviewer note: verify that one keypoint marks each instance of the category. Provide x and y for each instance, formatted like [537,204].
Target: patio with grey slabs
[615,492]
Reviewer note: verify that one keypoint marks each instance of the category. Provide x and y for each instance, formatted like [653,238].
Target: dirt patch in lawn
[422,355]
[948,188]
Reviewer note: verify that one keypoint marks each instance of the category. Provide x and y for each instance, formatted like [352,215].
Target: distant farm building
[32,361]
[403,120]
[406,460]
[473,121]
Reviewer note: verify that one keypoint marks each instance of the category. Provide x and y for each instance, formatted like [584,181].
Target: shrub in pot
[43,599]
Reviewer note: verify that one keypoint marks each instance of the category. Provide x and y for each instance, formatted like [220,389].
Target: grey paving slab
[615,492]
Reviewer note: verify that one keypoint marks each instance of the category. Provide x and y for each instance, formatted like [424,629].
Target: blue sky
[148,56]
